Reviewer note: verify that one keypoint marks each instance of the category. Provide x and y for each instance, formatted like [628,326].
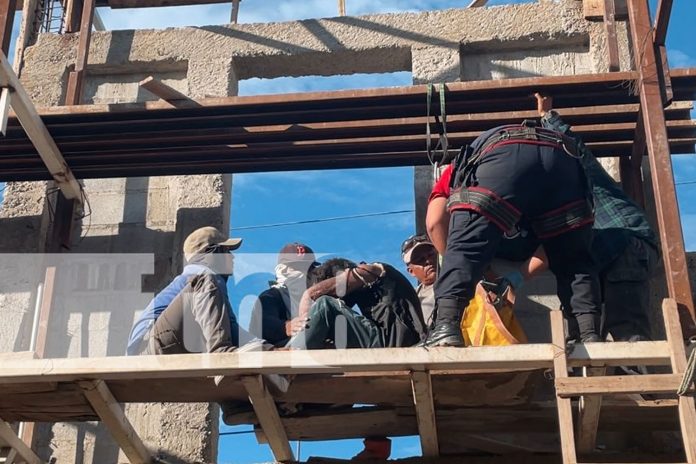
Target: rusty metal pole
[7,14]
[670,230]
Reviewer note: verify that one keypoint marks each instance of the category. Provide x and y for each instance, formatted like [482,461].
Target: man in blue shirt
[193,312]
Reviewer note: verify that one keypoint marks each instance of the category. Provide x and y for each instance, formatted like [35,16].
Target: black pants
[535,179]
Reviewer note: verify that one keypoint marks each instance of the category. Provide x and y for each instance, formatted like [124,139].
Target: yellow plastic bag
[483,325]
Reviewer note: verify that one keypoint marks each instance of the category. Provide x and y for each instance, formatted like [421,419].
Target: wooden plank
[4,109]
[115,420]
[73,15]
[560,371]
[268,417]
[671,237]
[687,409]
[42,337]
[588,415]
[422,387]
[531,356]
[167,93]
[640,384]
[11,439]
[37,132]
[610,31]
[341,7]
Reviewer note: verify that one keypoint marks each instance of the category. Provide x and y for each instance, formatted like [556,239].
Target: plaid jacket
[617,217]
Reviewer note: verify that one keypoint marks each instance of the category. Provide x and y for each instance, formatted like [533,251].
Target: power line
[688,182]
[314,221]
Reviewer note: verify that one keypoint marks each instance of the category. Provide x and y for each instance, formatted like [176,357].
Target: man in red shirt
[512,174]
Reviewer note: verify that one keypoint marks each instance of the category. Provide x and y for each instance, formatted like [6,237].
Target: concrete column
[435,65]
[141,215]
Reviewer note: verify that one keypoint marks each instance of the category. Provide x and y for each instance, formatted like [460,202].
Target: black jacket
[269,315]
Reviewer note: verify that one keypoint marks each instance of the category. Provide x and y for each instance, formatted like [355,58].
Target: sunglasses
[413,240]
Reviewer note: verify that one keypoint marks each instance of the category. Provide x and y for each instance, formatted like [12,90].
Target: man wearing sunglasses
[420,257]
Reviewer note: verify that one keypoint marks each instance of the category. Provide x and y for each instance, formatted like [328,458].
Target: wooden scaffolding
[378,127]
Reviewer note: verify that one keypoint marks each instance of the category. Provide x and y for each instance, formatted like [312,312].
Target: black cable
[313,221]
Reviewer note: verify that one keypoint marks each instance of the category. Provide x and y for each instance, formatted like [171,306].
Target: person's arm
[343,284]
[535,265]
[270,313]
[437,223]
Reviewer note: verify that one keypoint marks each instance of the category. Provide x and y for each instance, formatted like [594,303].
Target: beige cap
[199,240]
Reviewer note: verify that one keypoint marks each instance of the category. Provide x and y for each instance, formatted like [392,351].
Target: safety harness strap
[485,202]
[561,220]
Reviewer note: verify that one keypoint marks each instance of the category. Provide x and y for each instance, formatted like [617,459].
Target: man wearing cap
[194,305]
[275,314]
[420,257]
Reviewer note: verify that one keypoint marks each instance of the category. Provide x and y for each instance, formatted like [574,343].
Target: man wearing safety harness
[511,175]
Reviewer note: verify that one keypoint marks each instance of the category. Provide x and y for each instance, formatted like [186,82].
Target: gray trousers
[198,320]
[330,320]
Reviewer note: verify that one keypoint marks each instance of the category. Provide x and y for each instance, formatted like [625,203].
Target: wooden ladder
[594,384]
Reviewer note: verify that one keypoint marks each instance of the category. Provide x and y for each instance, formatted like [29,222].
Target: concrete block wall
[153,215]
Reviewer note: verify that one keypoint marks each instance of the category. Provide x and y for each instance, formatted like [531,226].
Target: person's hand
[293,326]
[544,104]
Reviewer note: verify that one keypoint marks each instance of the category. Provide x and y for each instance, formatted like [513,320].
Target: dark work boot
[589,328]
[446,330]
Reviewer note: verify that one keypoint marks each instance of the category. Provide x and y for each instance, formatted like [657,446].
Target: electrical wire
[314,221]
[686,182]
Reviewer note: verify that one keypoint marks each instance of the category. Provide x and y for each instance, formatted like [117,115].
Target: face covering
[294,281]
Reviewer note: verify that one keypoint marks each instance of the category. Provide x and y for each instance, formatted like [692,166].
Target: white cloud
[679,59]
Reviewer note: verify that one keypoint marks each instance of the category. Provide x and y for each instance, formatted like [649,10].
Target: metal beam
[37,132]
[667,210]
[7,13]
[73,95]
[610,30]
[664,11]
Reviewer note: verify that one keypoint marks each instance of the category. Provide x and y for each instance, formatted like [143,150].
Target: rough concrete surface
[154,215]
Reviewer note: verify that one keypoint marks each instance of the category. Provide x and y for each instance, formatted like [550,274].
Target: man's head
[332,267]
[296,260]
[212,247]
[420,257]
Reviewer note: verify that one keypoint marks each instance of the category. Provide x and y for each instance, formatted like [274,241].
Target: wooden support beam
[667,210]
[687,408]
[665,77]
[560,372]
[588,414]
[167,93]
[4,109]
[477,3]
[39,348]
[610,31]
[7,13]
[268,417]
[113,417]
[422,387]
[37,132]
[612,385]
[341,7]
[10,439]
[62,227]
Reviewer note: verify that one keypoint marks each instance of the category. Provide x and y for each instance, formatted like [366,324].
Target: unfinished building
[154,144]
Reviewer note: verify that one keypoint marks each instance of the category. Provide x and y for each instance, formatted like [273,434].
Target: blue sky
[270,198]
